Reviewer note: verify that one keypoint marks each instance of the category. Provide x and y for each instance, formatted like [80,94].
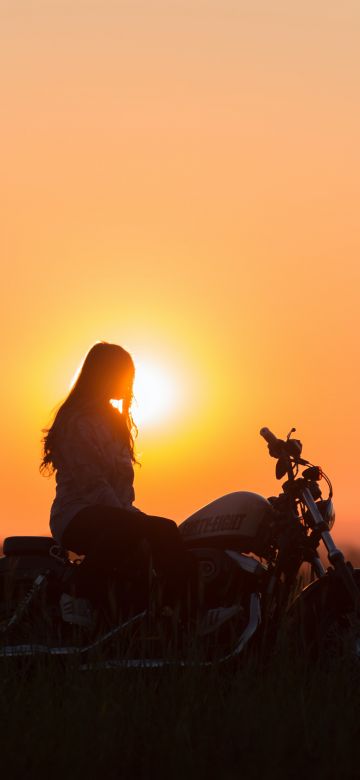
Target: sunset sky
[182,178]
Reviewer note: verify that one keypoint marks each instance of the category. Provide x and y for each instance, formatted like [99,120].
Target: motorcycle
[249,552]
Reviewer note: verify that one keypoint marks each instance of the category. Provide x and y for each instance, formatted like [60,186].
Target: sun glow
[155,395]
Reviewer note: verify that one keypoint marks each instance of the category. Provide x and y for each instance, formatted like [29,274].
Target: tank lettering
[214,524]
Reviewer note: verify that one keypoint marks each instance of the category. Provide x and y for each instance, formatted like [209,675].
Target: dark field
[286,719]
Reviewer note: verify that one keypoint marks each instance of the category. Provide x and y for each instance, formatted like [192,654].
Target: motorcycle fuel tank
[241,519]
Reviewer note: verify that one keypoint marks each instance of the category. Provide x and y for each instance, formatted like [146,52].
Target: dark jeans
[111,537]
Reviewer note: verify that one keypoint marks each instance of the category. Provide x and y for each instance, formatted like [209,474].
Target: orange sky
[182,178]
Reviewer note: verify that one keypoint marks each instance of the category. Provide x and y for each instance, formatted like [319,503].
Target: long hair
[107,372]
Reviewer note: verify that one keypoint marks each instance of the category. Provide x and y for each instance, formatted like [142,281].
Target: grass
[285,719]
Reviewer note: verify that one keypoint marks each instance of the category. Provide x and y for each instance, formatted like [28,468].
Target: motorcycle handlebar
[269,437]
[278,448]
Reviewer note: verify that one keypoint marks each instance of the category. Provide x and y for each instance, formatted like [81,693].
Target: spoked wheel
[322,622]
[342,638]
[12,630]
[27,610]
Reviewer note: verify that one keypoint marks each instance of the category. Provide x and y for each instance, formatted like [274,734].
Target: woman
[90,447]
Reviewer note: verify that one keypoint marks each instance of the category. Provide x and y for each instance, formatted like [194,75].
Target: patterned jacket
[92,467]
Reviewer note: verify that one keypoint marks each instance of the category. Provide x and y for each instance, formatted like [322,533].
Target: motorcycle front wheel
[322,622]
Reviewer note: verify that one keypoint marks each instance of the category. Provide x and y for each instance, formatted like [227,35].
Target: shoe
[76,611]
[215,618]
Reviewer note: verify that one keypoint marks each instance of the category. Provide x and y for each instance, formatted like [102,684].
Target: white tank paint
[240,513]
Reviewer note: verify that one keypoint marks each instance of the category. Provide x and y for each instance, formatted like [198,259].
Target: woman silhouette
[90,447]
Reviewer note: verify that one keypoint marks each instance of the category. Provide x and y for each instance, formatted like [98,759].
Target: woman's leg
[109,541]
[110,537]
[175,567]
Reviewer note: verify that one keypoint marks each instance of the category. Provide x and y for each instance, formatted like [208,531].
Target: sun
[155,394]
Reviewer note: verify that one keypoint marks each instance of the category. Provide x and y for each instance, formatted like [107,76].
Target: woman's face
[121,384]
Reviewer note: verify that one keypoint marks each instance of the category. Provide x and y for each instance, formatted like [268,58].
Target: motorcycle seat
[28,545]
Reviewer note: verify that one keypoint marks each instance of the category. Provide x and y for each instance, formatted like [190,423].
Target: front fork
[335,556]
